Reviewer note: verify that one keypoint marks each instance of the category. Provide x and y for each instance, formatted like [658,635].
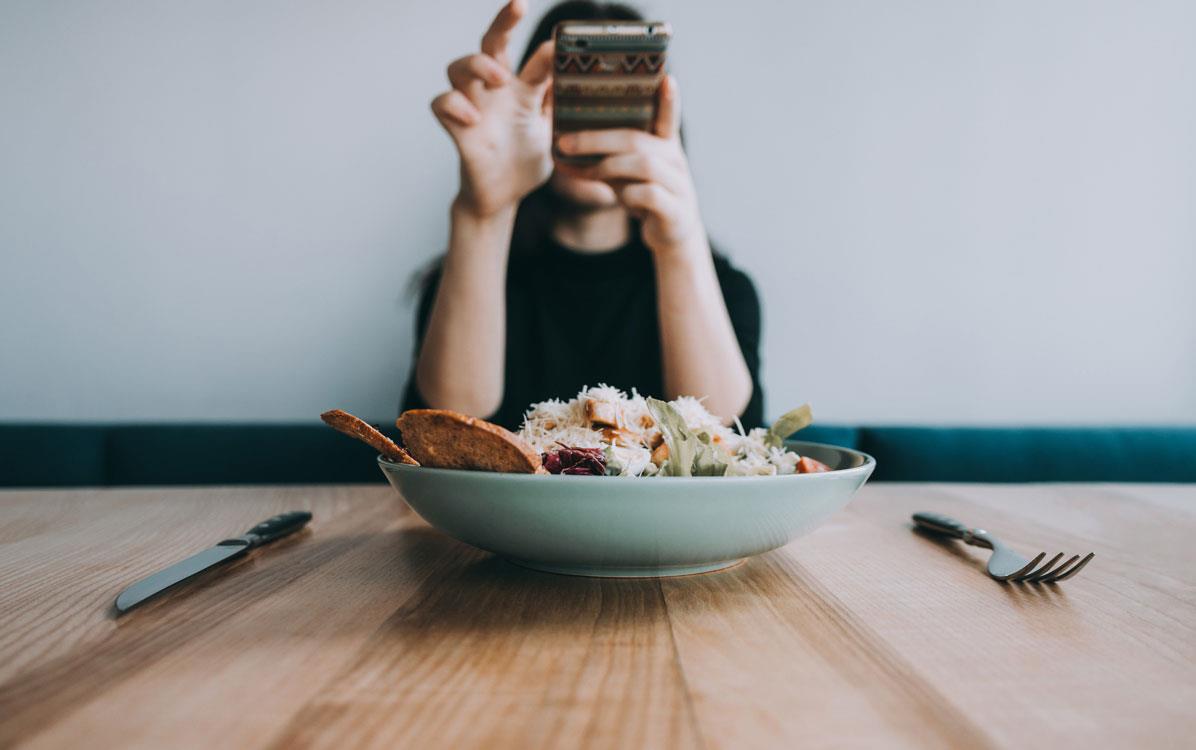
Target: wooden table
[374,630]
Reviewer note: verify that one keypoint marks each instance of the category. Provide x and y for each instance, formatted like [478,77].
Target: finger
[668,109]
[453,108]
[648,198]
[634,166]
[472,74]
[610,141]
[465,71]
[498,37]
[539,66]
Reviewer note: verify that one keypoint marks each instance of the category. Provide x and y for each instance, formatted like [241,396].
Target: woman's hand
[649,173]
[500,122]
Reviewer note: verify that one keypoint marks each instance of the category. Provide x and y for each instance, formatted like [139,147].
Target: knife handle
[278,526]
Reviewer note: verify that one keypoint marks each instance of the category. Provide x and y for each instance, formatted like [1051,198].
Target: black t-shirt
[579,319]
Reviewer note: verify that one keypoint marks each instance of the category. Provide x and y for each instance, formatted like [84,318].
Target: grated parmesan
[551,424]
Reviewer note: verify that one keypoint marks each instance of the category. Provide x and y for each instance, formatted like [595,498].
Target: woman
[560,276]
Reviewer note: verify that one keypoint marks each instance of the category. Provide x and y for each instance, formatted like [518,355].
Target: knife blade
[226,551]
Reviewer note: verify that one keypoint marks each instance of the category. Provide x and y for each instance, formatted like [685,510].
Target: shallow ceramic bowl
[612,526]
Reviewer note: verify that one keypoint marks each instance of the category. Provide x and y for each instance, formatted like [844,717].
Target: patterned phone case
[606,75]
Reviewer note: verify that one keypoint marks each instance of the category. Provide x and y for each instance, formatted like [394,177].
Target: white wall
[955,211]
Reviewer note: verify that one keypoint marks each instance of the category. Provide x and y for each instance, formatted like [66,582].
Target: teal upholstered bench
[62,455]
[98,455]
[1032,454]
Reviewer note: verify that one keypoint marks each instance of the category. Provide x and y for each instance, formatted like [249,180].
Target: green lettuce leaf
[709,461]
[690,455]
[787,424]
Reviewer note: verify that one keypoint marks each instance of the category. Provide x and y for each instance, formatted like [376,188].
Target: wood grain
[373,630]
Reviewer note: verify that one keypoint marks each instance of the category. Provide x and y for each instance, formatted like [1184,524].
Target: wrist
[465,208]
[480,240]
[683,255]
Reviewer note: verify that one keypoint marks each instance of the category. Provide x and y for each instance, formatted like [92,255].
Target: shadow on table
[1021,594]
[952,547]
[470,590]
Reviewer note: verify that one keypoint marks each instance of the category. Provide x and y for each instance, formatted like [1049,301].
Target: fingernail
[566,142]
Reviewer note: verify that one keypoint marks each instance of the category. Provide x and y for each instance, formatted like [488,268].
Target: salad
[603,431]
[600,432]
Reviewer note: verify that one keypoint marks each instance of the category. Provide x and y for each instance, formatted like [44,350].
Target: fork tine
[1035,573]
[1075,569]
[1046,571]
[1029,566]
[1052,575]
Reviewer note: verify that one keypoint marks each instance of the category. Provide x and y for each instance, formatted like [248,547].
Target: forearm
[461,360]
[701,353]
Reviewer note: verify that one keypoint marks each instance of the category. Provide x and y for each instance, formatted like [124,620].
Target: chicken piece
[620,436]
[602,414]
[660,453]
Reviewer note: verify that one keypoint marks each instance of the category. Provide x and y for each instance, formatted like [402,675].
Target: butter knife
[224,552]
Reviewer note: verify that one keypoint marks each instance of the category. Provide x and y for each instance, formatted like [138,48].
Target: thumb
[538,69]
[668,108]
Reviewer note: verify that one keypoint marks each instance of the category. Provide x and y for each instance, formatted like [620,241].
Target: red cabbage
[584,461]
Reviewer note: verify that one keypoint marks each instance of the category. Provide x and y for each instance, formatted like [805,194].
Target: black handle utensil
[277,527]
[229,549]
[1004,564]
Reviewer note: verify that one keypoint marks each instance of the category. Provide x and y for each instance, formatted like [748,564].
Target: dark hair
[575,10]
[533,219]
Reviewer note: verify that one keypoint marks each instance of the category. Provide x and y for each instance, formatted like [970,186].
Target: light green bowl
[615,526]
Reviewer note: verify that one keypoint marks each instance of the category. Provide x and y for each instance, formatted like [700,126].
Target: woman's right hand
[500,122]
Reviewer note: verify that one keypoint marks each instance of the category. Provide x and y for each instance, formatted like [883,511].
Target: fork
[1005,565]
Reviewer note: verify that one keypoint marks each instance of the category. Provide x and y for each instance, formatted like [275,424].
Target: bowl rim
[865,468]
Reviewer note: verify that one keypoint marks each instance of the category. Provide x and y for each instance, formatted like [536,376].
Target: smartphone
[606,75]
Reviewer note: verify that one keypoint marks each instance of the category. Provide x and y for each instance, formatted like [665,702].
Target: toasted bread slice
[343,421]
[447,440]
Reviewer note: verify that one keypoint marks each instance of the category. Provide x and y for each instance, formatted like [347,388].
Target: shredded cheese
[551,424]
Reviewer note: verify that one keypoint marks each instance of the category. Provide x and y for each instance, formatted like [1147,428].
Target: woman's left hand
[649,173]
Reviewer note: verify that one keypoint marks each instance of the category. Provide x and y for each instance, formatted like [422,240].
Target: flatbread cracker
[447,440]
[343,421]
